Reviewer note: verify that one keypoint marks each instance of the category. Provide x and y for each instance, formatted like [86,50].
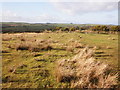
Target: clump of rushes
[35,46]
[82,71]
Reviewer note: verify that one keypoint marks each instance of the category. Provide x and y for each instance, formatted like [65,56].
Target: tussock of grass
[72,45]
[46,31]
[35,46]
[82,71]
[75,44]
[6,38]
[70,49]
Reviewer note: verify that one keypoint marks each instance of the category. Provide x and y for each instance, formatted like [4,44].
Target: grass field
[34,67]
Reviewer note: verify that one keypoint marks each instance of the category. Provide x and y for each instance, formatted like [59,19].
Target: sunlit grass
[29,69]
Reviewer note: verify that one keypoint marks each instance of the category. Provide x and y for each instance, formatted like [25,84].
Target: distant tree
[118,27]
[104,28]
[77,28]
[96,28]
[65,29]
[84,27]
[72,29]
[114,29]
[58,28]
[99,28]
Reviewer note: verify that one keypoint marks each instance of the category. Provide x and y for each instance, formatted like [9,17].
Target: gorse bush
[82,71]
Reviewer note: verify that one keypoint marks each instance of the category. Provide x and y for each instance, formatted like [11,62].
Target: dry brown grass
[27,42]
[78,31]
[72,45]
[82,71]
[77,45]
[6,37]
[32,45]
[70,48]
[108,47]
[58,31]
[46,31]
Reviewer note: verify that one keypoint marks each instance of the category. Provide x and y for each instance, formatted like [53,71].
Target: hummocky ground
[28,59]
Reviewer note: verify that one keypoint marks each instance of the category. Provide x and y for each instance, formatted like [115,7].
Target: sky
[58,11]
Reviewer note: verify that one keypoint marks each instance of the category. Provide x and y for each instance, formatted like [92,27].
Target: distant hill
[12,27]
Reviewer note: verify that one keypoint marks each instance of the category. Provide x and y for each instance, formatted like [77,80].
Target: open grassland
[29,59]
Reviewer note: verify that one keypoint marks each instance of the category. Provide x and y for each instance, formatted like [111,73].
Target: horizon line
[52,23]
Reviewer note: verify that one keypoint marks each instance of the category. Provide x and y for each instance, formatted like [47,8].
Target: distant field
[29,58]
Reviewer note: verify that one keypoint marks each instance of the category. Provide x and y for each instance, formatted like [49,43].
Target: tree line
[50,27]
[96,28]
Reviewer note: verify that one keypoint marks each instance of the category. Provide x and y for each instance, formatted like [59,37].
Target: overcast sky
[61,12]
